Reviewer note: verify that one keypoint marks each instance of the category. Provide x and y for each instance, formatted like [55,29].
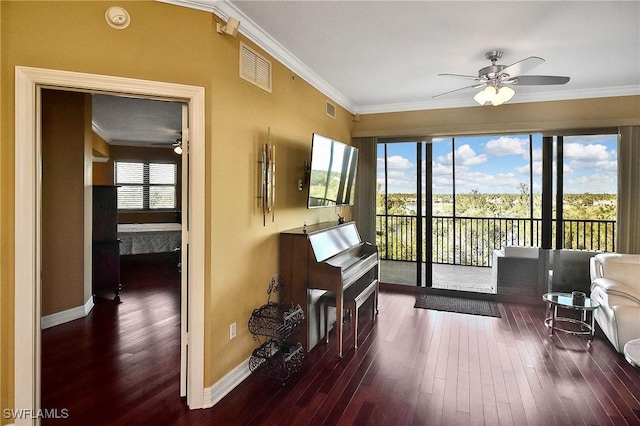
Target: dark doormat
[458,304]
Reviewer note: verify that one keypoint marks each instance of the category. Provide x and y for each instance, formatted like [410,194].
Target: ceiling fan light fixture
[504,94]
[479,97]
[177,146]
[485,95]
[495,79]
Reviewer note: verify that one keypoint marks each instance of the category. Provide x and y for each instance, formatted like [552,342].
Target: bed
[143,238]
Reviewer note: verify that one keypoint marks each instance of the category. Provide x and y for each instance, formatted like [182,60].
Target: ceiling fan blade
[539,80]
[522,66]
[468,77]
[475,86]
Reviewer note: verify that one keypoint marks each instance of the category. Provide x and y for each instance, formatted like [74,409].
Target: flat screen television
[332,173]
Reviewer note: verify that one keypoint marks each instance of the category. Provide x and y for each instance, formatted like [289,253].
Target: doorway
[402,212]
[113,343]
[28,249]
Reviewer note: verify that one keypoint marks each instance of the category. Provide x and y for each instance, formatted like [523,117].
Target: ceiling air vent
[331,110]
[255,68]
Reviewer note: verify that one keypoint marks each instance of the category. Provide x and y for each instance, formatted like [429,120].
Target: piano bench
[354,297]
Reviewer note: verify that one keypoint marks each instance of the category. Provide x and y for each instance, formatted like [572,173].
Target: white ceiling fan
[495,80]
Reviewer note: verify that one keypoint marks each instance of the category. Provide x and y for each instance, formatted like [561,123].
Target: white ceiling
[382,56]
[136,122]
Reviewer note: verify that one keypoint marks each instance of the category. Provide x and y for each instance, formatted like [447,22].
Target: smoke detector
[117,17]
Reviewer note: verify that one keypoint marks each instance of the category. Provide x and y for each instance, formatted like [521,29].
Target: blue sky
[499,164]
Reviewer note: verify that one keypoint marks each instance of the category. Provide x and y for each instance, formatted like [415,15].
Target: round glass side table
[586,307]
[632,352]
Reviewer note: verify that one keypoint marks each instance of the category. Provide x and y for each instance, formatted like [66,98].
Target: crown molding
[225,9]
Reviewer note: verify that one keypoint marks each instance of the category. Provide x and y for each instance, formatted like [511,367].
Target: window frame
[147,185]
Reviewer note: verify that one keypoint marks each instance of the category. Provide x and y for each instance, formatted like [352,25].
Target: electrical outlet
[232,331]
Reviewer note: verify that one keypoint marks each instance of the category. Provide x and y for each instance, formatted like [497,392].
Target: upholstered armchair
[615,284]
[569,270]
[516,272]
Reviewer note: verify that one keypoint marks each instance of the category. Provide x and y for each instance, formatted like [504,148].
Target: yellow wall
[63,199]
[101,173]
[100,147]
[101,150]
[174,44]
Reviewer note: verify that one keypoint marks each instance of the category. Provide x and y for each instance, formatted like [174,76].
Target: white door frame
[28,203]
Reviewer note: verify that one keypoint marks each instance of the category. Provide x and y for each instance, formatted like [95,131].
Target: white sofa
[615,284]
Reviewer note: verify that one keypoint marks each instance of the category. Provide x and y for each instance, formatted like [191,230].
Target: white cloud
[524,170]
[594,184]
[567,169]
[597,165]
[441,169]
[442,186]
[588,152]
[465,156]
[609,166]
[486,182]
[588,159]
[395,162]
[537,168]
[506,145]
[401,174]
[401,185]
[537,154]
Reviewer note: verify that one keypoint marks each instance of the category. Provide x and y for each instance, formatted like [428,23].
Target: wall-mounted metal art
[267,195]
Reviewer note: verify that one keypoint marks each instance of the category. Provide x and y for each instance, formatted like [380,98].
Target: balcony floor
[450,277]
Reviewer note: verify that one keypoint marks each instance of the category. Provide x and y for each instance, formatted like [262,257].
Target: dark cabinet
[106,246]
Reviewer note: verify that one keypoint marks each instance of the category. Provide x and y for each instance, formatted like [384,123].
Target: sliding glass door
[399,212]
[483,199]
[444,206]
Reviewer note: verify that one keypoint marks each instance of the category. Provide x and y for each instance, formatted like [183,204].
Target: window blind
[145,185]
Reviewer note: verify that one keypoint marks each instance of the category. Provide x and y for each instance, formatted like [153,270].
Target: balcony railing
[470,241]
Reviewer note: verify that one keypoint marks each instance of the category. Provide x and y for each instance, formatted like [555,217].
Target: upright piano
[324,257]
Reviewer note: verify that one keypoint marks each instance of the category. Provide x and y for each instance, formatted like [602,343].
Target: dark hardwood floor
[413,366]
[120,364]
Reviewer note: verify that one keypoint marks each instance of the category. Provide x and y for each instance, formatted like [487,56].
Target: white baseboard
[212,395]
[66,316]
[220,389]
